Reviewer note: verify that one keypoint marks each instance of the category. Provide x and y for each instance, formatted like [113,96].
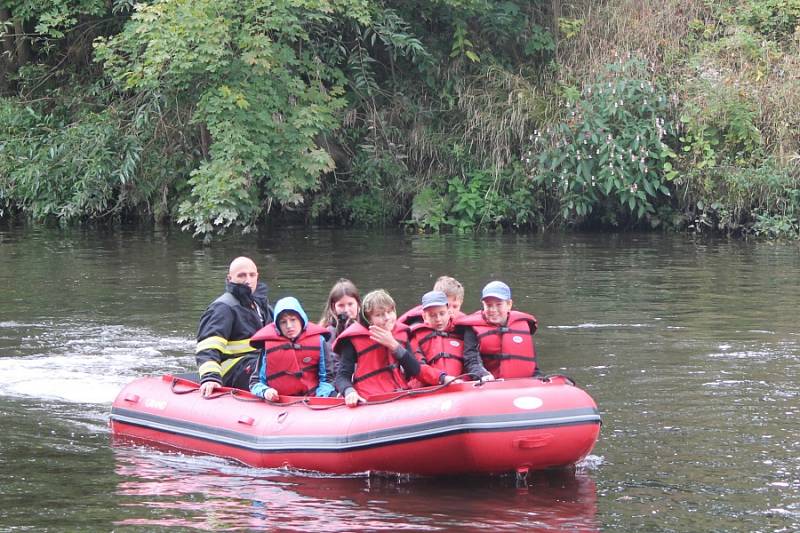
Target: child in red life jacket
[455,297]
[498,342]
[438,348]
[294,360]
[374,354]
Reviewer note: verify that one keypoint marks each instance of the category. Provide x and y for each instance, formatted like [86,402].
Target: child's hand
[271,395]
[352,398]
[450,379]
[384,337]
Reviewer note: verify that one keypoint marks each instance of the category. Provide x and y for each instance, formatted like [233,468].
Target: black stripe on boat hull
[360,441]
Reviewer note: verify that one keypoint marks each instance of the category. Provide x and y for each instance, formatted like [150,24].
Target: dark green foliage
[479,200]
[608,154]
[218,114]
[762,201]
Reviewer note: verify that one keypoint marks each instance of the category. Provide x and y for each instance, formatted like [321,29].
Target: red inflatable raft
[497,427]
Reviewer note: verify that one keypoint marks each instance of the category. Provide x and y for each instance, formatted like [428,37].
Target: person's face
[290,325]
[496,310]
[346,305]
[383,317]
[436,316]
[244,272]
[455,305]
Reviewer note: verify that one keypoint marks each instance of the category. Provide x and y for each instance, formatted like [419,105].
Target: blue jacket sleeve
[258,380]
[325,387]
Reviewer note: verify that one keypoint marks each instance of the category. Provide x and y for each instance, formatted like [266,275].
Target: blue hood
[289,303]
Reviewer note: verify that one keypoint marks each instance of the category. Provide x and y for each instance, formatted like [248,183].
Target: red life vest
[377,371]
[292,367]
[412,316]
[507,351]
[442,350]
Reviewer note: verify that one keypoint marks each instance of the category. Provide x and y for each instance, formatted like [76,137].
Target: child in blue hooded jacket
[294,359]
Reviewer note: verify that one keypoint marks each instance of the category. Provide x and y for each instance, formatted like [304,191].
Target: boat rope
[548,378]
[194,387]
[306,400]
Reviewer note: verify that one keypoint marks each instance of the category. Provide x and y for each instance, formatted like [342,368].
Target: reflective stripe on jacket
[223,336]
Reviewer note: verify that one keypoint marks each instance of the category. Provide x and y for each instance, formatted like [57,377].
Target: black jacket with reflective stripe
[226,326]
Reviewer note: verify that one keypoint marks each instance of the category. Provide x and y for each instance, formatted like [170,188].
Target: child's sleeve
[325,387]
[258,379]
[347,365]
[473,365]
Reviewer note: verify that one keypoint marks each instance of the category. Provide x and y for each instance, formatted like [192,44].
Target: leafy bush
[252,85]
[480,199]
[66,166]
[763,200]
[607,153]
[774,19]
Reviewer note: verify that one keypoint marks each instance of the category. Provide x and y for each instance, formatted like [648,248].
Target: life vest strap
[433,335]
[505,356]
[291,346]
[368,349]
[445,355]
[279,347]
[374,373]
[503,330]
[298,374]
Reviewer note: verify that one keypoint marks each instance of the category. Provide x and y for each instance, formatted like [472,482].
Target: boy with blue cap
[498,341]
[439,349]
[295,359]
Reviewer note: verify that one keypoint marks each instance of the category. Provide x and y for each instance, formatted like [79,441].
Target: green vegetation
[440,115]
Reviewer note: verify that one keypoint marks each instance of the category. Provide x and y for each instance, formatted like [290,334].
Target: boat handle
[133,398]
[247,420]
[533,442]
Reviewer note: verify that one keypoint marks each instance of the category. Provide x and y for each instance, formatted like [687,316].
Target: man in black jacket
[224,355]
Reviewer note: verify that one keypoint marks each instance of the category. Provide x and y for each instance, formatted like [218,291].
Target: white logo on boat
[455,343]
[517,339]
[160,405]
[527,402]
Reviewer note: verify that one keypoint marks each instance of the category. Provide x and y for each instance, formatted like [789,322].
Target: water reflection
[161,490]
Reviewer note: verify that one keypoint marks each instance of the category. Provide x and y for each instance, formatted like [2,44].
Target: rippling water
[691,349]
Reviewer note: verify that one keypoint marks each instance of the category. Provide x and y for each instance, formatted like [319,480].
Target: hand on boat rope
[192,386]
[208,388]
[271,395]
[353,398]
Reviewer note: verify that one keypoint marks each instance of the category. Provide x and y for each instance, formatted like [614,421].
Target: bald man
[224,355]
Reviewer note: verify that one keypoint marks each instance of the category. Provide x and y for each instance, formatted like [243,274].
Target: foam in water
[87,363]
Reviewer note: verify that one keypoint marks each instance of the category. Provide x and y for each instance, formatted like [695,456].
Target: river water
[690,347]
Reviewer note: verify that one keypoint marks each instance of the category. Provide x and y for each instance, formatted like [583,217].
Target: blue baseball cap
[496,289]
[433,298]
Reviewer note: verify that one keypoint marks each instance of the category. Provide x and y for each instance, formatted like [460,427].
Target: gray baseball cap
[433,298]
[496,289]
